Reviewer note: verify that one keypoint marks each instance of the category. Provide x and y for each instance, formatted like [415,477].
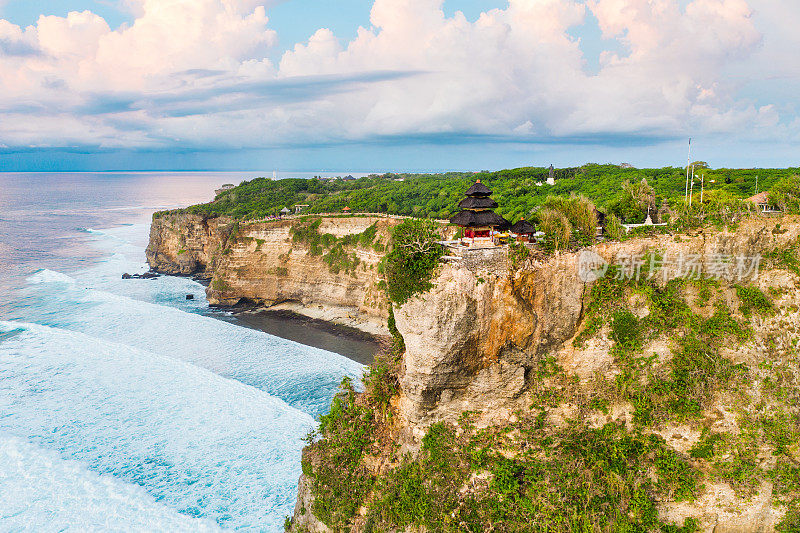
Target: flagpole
[688,164]
[702,186]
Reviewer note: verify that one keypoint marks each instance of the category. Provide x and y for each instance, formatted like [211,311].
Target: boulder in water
[146,275]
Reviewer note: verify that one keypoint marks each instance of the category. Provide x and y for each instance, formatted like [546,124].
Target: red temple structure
[477,216]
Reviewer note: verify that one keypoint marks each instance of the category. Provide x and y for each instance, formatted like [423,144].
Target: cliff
[534,395]
[325,268]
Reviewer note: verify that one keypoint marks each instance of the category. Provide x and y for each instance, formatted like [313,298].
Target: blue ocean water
[124,406]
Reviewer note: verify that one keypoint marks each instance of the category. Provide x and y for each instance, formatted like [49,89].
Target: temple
[477,217]
[524,231]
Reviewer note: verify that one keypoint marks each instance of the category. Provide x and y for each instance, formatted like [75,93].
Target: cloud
[197,73]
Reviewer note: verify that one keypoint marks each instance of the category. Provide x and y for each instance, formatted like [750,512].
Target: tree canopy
[519,192]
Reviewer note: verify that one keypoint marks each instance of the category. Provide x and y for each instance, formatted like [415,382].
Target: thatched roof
[523,227]
[479,219]
[761,198]
[478,189]
[477,202]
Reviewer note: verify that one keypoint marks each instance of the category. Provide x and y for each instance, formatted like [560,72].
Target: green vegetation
[414,257]
[516,190]
[557,229]
[786,194]
[339,479]
[517,253]
[696,371]
[636,198]
[574,479]
[336,252]
[533,475]
[614,228]
[752,299]
[786,257]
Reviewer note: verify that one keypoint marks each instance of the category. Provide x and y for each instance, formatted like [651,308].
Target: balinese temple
[524,230]
[477,216]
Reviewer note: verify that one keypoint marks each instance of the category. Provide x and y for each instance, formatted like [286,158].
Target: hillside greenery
[529,474]
[612,188]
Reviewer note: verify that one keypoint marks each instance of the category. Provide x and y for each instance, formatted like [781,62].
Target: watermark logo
[591,266]
[736,268]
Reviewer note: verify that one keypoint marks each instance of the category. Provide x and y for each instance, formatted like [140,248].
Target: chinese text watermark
[653,265]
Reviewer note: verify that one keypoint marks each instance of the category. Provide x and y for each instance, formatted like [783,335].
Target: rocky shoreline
[265,264]
[353,343]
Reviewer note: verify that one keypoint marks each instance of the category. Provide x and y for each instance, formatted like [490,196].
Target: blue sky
[242,84]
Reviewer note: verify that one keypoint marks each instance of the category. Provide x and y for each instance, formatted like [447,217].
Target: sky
[396,85]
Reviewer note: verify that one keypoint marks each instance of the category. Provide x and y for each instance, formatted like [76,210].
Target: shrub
[556,227]
[340,481]
[752,299]
[625,329]
[786,194]
[580,212]
[414,257]
[614,228]
[517,253]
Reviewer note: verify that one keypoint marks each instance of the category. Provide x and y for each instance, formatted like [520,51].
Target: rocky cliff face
[478,341]
[515,343]
[261,263]
[473,340]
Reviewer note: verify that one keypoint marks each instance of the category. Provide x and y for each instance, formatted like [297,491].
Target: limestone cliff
[262,263]
[715,374]
[472,341]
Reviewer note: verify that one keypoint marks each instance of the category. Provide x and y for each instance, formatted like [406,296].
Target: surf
[203,445]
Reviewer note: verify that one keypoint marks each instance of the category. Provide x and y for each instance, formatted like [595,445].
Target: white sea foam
[303,376]
[44,493]
[196,442]
[147,393]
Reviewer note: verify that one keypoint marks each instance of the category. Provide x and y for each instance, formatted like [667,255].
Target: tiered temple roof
[477,210]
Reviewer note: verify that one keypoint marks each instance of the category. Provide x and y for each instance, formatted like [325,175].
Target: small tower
[551,176]
[477,216]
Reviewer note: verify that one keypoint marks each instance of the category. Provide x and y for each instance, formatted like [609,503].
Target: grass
[751,300]
[336,252]
[574,480]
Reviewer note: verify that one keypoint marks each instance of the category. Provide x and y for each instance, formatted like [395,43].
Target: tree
[614,228]
[414,257]
[786,194]
[634,201]
[556,227]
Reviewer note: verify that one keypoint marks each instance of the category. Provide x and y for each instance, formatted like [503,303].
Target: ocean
[123,405]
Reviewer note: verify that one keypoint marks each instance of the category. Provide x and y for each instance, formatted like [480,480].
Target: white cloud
[195,72]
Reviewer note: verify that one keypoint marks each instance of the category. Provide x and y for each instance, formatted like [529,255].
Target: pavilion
[524,230]
[477,216]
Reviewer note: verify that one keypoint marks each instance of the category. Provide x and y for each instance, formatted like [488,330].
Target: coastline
[357,345]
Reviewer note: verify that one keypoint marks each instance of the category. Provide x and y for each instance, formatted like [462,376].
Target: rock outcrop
[484,336]
[473,340]
[261,263]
